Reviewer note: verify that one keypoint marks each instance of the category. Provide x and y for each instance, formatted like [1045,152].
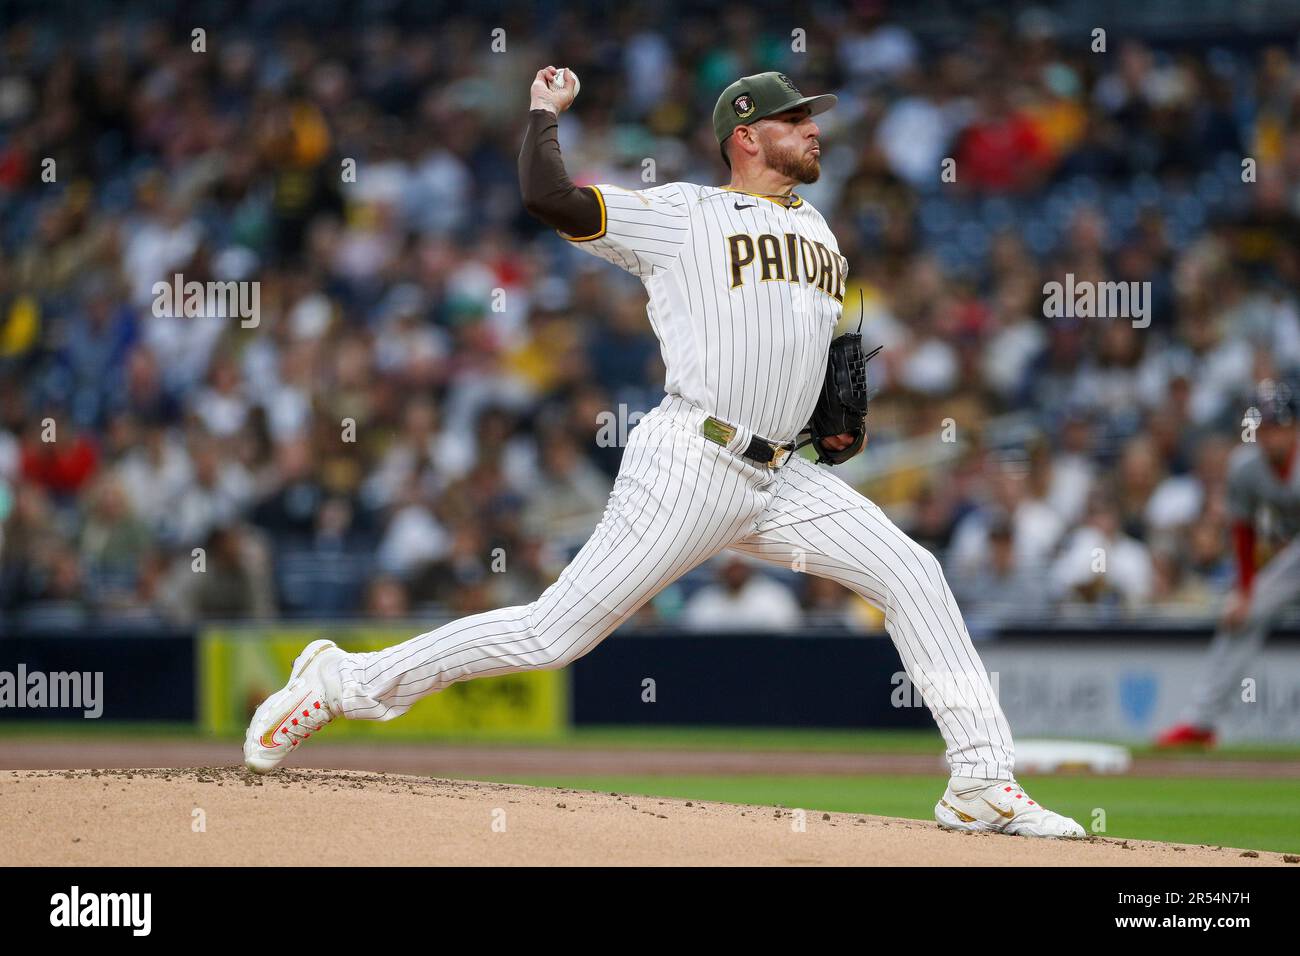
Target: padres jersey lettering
[745,294]
[825,271]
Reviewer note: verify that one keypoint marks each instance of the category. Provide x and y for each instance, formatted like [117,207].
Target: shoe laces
[307,721]
[1015,792]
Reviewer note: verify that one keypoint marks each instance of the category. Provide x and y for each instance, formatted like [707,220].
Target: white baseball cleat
[293,713]
[999,806]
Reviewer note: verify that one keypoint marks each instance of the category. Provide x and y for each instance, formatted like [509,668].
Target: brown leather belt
[760,450]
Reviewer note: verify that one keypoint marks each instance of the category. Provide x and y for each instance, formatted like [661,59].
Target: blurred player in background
[1264,502]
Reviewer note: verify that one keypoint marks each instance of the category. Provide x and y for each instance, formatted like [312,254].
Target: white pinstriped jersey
[745,295]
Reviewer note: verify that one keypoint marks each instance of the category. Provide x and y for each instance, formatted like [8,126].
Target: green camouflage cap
[752,98]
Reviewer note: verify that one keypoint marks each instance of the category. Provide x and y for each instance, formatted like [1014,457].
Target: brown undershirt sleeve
[548,192]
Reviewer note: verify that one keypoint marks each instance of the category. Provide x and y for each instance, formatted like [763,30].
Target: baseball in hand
[559,80]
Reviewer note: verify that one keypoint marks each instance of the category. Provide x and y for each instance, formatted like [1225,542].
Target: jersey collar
[797,200]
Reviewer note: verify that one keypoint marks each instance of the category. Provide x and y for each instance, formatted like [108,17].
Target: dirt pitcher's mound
[227,816]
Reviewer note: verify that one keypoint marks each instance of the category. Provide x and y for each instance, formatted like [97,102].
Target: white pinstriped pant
[680,499]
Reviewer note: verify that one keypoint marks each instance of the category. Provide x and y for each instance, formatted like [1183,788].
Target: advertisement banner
[239,667]
[1129,691]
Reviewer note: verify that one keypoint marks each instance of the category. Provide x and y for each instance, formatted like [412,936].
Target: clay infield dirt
[306,817]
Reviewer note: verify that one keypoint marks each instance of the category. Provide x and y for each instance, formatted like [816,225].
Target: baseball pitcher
[1264,503]
[746,284]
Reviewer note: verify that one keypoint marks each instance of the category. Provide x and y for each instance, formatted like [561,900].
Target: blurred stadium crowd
[476,356]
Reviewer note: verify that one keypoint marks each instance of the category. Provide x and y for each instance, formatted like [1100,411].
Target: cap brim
[820,103]
[816,104]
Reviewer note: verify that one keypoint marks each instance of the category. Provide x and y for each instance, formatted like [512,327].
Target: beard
[798,165]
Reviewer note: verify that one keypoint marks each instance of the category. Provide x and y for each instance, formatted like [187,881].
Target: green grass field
[1259,813]
[1256,814]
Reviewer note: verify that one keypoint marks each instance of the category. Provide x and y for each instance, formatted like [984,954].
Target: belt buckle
[779,455]
[717,431]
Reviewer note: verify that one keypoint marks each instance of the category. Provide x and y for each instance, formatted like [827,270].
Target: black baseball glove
[842,407]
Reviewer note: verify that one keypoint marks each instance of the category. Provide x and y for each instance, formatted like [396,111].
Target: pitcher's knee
[562,639]
[922,577]
[565,654]
[928,568]
[563,646]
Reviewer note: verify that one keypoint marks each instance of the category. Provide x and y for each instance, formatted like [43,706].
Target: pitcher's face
[791,144]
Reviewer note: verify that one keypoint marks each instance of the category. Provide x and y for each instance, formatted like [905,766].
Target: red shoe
[1186,735]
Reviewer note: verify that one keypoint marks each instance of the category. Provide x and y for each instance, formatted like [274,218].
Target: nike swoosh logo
[268,738]
[753,205]
[963,817]
[1004,814]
